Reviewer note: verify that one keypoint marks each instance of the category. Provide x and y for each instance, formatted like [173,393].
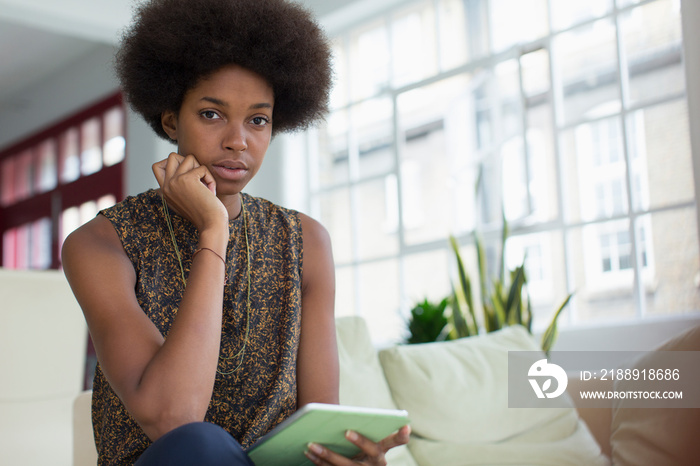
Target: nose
[235,139]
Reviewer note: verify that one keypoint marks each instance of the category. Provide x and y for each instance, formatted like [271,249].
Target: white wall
[77,85]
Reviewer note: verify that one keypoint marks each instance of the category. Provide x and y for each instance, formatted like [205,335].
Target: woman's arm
[317,362]
[162,383]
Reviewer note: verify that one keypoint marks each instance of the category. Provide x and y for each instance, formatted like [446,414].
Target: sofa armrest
[84,451]
[598,420]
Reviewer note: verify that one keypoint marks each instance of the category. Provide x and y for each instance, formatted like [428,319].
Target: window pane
[9,249]
[672,255]
[652,40]
[46,170]
[413,41]
[339,92]
[623,3]
[69,165]
[70,220]
[377,234]
[91,148]
[369,60]
[379,301]
[334,213]
[586,63]
[659,145]
[535,66]
[517,21]
[372,121]
[434,125]
[24,175]
[453,33]
[344,291]
[332,164]
[545,270]
[115,144]
[40,244]
[106,202]
[542,180]
[7,167]
[427,275]
[567,13]
[20,257]
[604,282]
[594,170]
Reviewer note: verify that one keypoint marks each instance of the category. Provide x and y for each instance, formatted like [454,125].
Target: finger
[204,175]
[208,180]
[173,163]
[400,437]
[368,447]
[159,171]
[320,455]
[187,164]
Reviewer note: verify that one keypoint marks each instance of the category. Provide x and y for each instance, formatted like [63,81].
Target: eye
[210,115]
[260,121]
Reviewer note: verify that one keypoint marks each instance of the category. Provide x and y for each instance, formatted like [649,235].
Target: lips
[233,170]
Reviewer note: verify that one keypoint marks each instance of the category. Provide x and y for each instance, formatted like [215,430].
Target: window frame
[109,180]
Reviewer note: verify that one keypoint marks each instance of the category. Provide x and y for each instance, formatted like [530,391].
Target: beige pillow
[456,394]
[362,381]
[657,436]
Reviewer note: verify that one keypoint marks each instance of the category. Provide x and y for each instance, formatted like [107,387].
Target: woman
[211,311]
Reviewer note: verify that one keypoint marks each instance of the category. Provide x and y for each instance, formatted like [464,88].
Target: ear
[168,119]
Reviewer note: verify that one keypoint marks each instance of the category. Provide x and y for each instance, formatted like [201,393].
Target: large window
[57,180]
[573,115]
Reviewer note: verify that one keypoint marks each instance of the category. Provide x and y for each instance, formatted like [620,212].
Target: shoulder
[133,207]
[103,237]
[314,233]
[318,254]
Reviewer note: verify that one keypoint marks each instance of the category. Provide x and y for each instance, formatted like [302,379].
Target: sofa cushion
[652,436]
[456,394]
[362,381]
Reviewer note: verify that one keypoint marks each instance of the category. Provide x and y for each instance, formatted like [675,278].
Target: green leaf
[461,328]
[550,335]
[466,285]
[513,304]
[504,237]
[427,322]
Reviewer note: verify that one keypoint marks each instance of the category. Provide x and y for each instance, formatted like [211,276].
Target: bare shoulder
[95,237]
[314,233]
[318,255]
[93,255]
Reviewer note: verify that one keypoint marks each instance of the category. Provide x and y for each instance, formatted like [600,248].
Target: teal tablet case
[325,424]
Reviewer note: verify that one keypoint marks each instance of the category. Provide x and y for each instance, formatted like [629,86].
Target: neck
[232,202]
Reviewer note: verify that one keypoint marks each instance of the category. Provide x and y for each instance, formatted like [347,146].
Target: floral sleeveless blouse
[248,401]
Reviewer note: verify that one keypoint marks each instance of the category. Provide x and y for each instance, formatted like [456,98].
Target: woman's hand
[190,189]
[373,453]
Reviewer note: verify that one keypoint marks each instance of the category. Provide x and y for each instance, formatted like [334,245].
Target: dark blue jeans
[199,443]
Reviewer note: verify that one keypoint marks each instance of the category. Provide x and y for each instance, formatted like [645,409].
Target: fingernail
[315,448]
[352,436]
[311,456]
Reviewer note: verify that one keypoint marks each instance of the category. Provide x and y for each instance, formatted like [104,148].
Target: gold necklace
[240,353]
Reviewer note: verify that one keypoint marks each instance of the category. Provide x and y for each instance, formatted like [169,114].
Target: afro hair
[173,44]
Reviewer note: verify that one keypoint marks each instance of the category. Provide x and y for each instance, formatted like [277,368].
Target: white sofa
[455,393]
[456,396]
[43,339]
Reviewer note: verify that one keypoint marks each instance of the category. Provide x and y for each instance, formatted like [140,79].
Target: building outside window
[573,116]
[58,179]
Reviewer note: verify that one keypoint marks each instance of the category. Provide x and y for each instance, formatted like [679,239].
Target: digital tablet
[324,424]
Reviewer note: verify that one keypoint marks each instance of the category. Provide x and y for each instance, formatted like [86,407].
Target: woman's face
[225,121]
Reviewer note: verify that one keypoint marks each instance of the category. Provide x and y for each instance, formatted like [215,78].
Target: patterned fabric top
[262,392]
